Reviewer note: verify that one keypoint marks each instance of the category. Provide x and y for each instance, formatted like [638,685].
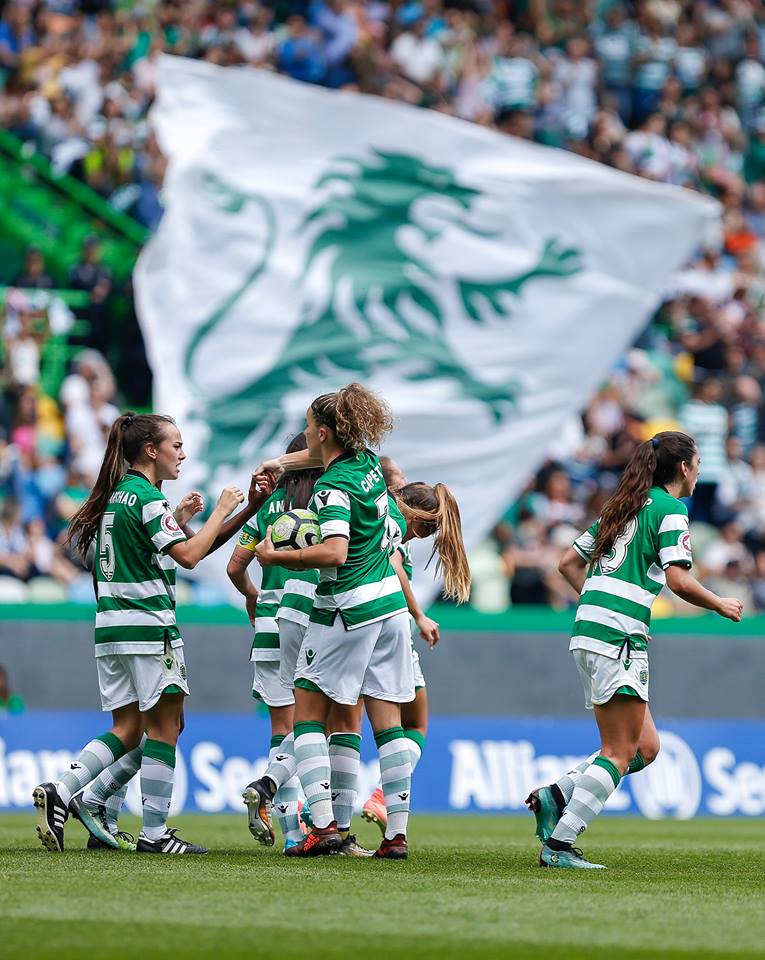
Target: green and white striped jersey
[620,589]
[265,644]
[135,579]
[283,593]
[397,530]
[351,501]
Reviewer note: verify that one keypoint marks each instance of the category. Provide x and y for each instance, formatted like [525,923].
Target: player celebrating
[619,567]
[357,642]
[417,511]
[280,610]
[139,651]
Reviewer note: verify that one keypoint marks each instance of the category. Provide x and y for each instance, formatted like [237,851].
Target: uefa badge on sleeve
[169,524]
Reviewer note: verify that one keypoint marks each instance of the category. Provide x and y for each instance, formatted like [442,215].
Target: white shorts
[602,676]
[372,661]
[291,636]
[419,679]
[267,685]
[125,678]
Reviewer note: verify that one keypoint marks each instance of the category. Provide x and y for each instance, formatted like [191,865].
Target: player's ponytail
[127,438]
[298,484]
[435,511]
[654,464]
[358,417]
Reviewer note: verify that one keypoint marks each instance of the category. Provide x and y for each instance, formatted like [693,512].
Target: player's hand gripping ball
[295,529]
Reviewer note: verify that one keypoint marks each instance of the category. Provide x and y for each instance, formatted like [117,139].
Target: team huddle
[330,524]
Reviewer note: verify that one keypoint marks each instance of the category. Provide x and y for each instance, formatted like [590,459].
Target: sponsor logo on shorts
[183,671]
[627,663]
[310,656]
[643,676]
[169,663]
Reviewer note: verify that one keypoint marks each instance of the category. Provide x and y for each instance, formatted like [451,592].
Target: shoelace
[127,837]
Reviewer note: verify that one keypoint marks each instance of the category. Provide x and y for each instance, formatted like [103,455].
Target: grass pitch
[471,889]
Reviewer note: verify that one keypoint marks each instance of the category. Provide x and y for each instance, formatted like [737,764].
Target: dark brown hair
[437,508]
[128,436]
[298,484]
[357,417]
[654,464]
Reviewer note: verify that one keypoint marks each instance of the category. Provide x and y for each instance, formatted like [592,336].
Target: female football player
[640,543]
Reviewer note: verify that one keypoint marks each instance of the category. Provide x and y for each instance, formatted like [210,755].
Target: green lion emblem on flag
[384,305]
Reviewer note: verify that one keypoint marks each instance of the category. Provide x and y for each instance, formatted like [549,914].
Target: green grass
[470,889]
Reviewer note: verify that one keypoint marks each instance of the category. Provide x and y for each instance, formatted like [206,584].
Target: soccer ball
[295,529]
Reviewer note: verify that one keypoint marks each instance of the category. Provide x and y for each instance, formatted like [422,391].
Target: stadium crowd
[668,90]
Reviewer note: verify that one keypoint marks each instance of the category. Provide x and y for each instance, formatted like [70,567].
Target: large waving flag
[483,284]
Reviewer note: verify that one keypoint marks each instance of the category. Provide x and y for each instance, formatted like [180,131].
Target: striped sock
[283,769]
[110,786]
[593,788]
[345,761]
[313,768]
[157,771]
[416,744]
[637,763]
[286,798]
[395,778]
[96,755]
[568,781]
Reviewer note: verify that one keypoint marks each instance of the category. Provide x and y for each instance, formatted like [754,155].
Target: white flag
[483,284]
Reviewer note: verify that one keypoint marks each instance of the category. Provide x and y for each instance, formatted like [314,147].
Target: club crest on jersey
[169,524]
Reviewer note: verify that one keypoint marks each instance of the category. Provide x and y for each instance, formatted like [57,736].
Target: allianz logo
[498,775]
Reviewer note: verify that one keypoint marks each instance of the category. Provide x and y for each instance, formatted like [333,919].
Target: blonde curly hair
[358,417]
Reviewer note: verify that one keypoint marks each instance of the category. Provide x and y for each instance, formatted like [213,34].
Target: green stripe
[308,726]
[610,601]
[606,764]
[266,641]
[114,743]
[135,634]
[266,609]
[307,685]
[363,612]
[296,601]
[670,538]
[637,763]
[598,631]
[276,740]
[385,736]
[418,738]
[350,740]
[158,750]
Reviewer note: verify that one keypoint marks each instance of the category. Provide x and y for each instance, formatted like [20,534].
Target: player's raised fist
[229,498]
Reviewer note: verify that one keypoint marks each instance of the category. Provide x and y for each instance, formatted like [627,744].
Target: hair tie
[654,443]
[128,421]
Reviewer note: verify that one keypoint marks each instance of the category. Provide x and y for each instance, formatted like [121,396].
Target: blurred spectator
[10,702]
[705,419]
[33,276]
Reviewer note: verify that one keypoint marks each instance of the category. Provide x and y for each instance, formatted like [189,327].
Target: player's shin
[345,761]
[157,775]
[313,768]
[93,758]
[395,778]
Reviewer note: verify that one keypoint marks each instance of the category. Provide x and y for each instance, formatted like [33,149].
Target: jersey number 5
[106,558]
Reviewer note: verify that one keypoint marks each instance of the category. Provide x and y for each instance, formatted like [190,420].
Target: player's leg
[620,723]
[389,683]
[101,801]
[330,669]
[51,800]
[161,682]
[282,768]
[414,720]
[345,763]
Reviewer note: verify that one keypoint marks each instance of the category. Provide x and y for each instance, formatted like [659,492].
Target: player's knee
[129,733]
[649,750]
